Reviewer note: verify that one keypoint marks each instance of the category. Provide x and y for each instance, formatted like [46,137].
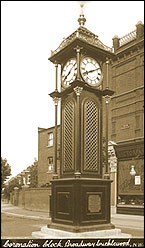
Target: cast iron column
[107,98]
[56,73]
[78,91]
[78,49]
[55,99]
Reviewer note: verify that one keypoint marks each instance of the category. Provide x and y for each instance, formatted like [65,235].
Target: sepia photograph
[72,123]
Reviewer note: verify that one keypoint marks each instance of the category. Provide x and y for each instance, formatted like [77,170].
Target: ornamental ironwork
[90,136]
[84,34]
[68,145]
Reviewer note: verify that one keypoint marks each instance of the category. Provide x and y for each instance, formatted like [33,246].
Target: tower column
[107,98]
[77,173]
[55,99]
[56,77]
[78,49]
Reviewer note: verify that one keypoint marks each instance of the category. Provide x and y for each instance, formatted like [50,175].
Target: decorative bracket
[107,99]
[55,94]
[78,49]
[107,95]
[56,100]
[78,90]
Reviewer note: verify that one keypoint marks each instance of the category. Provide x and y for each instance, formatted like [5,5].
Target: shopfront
[130,177]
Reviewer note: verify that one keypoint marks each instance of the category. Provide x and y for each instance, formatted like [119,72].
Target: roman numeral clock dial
[91,71]
[69,72]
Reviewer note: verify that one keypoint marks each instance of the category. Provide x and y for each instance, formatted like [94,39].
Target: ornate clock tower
[81,196]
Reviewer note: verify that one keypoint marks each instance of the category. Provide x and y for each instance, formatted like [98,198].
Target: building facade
[126,126]
[46,155]
[127,119]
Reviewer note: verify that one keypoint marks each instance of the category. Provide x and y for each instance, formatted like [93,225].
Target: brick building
[127,118]
[46,154]
[126,115]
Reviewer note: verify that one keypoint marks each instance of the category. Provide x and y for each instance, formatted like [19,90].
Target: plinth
[81,204]
[49,233]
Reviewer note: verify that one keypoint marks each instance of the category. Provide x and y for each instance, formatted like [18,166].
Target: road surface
[15,227]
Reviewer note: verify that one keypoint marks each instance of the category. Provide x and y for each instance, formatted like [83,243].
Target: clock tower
[80,196]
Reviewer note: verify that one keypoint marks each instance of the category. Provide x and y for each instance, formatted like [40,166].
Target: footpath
[119,220]
[12,210]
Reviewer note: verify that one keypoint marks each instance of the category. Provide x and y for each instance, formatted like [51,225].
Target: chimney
[139,30]
[116,42]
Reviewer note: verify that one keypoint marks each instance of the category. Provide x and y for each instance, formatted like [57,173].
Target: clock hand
[68,73]
[94,70]
[86,72]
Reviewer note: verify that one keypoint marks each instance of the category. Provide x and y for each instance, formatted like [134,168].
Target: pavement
[119,220]
[12,210]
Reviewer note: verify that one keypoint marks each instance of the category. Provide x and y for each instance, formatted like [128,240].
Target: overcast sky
[30,30]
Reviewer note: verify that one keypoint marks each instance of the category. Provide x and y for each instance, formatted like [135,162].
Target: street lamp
[132,171]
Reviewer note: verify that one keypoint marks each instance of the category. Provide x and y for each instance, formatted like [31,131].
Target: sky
[29,31]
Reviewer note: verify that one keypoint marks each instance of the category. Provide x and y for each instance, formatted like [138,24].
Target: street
[16,227]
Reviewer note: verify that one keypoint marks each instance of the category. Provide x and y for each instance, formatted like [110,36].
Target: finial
[81,18]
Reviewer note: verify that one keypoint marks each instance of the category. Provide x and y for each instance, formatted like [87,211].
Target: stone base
[49,233]
[77,229]
[113,210]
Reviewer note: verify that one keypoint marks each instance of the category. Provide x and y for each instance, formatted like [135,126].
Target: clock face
[69,72]
[91,71]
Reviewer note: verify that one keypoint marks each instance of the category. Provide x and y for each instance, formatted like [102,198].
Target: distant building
[23,178]
[46,155]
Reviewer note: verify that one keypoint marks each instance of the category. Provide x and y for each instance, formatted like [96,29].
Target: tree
[10,187]
[34,174]
[5,171]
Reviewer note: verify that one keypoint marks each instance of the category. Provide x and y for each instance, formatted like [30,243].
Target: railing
[127,38]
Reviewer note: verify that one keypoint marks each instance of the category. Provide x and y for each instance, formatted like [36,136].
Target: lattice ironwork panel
[90,136]
[68,136]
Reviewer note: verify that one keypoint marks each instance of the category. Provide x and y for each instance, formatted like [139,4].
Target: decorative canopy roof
[83,34]
[82,37]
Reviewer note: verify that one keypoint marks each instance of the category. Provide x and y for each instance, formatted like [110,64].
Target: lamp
[132,171]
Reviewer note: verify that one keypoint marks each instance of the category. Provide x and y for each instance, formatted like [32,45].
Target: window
[50,164]
[50,139]
[24,180]
[28,178]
